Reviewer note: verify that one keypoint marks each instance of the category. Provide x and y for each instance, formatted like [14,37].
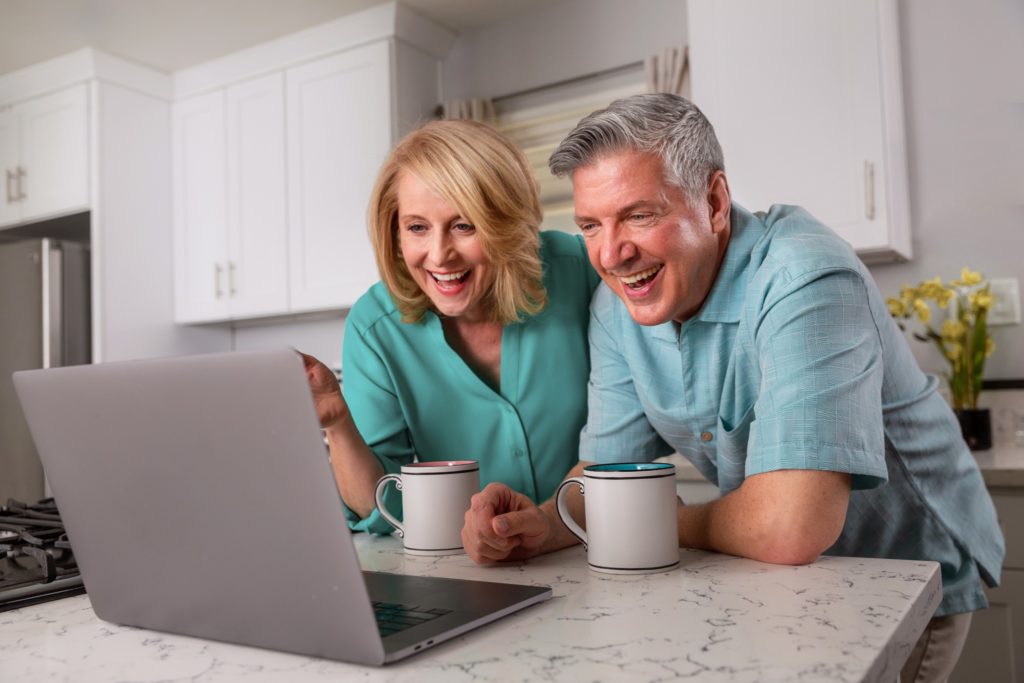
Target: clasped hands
[502,524]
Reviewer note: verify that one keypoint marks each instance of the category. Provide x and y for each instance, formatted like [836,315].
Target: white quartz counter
[717,618]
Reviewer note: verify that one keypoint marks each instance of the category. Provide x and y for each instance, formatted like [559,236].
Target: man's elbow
[798,542]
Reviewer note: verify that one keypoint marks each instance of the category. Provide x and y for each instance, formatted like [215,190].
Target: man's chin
[648,316]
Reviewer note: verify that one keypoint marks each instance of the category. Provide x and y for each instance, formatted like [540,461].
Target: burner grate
[36,562]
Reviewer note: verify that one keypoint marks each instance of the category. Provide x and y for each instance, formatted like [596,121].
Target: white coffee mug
[435,497]
[630,510]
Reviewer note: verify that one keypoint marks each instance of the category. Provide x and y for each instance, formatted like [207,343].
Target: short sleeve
[820,400]
[378,416]
[617,430]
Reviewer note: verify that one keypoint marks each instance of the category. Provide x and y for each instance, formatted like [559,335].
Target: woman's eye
[416,227]
[463,227]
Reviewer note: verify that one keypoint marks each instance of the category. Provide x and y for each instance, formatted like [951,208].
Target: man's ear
[719,202]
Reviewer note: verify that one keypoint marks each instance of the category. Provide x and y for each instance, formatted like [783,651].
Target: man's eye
[587,227]
[642,217]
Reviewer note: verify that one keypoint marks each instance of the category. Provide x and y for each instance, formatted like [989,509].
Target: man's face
[658,251]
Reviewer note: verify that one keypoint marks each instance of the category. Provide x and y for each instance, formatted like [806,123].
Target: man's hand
[502,524]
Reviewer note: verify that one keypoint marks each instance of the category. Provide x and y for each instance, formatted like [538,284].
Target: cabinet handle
[869,190]
[9,177]
[231,278]
[21,190]
[217,270]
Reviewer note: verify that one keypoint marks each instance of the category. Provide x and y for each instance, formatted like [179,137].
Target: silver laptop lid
[160,466]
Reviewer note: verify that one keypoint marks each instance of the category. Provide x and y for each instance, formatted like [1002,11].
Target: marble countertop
[717,618]
[1001,466]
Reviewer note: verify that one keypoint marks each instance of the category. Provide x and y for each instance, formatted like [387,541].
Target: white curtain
[475,109]
[667,71]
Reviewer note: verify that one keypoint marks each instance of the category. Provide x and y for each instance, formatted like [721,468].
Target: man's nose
[617,249]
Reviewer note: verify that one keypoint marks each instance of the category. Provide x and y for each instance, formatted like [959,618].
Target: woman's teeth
[640,279]
[449,277]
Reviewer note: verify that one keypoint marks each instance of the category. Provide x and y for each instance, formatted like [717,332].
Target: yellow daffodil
[953,330]
[897,308]
[981,301]
[924,314]
[953,351]
[990,346]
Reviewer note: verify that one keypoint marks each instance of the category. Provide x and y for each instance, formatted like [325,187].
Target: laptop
[199,499]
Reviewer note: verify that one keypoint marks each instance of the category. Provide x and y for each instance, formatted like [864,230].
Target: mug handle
[563,512]
[378,497]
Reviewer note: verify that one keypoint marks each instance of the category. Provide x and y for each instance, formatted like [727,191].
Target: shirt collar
[725,301]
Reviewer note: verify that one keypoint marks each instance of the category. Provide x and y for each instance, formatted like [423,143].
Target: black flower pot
[976,426]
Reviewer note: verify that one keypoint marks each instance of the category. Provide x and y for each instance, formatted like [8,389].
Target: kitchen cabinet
[806,100]
[337,140]
[994,650]
[230,194]
[276,150]
[44,154]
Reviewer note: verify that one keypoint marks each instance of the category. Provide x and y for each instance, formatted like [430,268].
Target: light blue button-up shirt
[793,362]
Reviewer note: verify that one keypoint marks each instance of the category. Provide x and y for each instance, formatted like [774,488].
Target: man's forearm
[784,517]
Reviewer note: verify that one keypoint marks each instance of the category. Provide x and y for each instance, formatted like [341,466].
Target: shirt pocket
[733,442]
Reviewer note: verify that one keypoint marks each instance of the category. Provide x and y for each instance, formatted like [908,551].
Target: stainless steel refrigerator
[44,322]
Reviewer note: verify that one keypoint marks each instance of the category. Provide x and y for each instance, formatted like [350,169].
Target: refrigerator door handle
[21,187]
[7,185]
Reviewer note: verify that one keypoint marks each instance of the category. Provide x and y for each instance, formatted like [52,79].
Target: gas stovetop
[36,562]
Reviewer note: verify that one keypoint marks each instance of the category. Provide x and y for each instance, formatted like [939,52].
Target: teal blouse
[413,398]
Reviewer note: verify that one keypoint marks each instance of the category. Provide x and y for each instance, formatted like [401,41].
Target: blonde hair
[488,181]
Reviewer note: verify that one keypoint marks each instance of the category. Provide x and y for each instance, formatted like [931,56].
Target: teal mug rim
[629,467]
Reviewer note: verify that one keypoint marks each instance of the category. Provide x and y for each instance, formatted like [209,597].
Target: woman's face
[442,251]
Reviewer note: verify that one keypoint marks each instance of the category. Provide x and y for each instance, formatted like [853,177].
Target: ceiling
[173,34]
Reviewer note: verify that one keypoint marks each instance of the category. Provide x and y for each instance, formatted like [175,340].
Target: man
[758,347]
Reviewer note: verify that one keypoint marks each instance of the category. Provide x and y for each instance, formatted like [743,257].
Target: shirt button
[706,436]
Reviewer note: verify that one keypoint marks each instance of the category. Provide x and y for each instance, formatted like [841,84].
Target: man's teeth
[642,275]
[449,277]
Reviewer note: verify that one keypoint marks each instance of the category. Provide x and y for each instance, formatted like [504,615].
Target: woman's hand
[331,408]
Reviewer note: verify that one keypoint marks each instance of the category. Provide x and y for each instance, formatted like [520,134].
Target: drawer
[1010,509]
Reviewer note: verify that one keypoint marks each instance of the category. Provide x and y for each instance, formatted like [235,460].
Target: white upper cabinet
[200,209]
[339,114]
[805,97]
[230,223]
[276,150]
[257,266]
[44,153]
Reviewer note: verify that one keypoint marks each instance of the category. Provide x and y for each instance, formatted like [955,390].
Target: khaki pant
[933,658]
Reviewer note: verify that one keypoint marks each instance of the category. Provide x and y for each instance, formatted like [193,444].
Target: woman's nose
[440,247]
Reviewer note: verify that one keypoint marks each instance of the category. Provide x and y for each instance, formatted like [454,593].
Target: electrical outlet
[1005,301]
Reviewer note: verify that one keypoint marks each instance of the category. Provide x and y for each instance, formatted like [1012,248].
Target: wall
[564,40]
[964,102]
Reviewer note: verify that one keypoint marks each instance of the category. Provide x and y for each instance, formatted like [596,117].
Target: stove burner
[36,562]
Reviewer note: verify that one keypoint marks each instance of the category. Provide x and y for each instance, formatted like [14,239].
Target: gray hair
[667,125]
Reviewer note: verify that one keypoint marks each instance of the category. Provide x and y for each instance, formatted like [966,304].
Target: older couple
[754,344]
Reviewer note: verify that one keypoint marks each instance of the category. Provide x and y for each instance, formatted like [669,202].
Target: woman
[474,343]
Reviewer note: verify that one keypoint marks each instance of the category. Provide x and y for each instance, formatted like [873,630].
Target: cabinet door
[10,209]
[794,89]
[200,221]
[339,131]
[257,277]
[54,133]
